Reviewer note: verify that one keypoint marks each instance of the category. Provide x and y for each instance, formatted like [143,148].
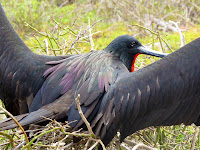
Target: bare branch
[82,116]
[13,118]
[194,138]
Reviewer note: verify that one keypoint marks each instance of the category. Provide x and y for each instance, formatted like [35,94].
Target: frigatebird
[35,85]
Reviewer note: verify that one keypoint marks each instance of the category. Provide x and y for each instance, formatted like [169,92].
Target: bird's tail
[57,110]
[9,123]
[29,118]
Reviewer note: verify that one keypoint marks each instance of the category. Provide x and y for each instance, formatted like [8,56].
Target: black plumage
[112,98]
[166,92]
[21,71]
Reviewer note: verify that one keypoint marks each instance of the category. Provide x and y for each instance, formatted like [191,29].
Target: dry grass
[63,39]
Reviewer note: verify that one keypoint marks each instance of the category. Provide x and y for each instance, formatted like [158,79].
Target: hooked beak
[148,51]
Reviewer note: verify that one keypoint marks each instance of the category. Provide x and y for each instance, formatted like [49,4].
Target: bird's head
[127,48]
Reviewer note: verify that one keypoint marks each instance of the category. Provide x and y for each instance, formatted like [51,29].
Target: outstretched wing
[89,75]
[21,71]
[166,92]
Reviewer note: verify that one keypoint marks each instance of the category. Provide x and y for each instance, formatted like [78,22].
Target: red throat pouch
[133,63]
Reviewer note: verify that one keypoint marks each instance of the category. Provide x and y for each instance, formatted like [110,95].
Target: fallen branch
[83,117]
[13,118]
[88,124]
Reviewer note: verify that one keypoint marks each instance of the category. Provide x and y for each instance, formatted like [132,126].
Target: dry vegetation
[60,27]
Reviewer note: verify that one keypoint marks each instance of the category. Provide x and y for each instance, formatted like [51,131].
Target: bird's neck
[133,63]
[129,61]
[9,39]
[126,58]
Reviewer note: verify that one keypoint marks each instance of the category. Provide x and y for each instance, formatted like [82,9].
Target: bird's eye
[133,44]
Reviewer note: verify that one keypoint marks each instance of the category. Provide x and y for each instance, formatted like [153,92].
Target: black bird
[47,86]
[164,93]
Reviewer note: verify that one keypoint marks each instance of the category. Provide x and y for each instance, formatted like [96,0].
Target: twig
[59,142]
[63,4]
[130,143]
[84,37]
[46,45]
[99,141]
[196,6]
[161,42]
[31,142]
[194,138]
[88,124]
[142,146]
[83,117]
[35,29]
[56,41]
[20,145]
[141,136]
[13,118]
[93,146]
[152,32]
[165,25]
[54,121]
[40,45]
[93,25]
[87,143]
[124,146]
[76,41]
[68,145]
[41,145]
[103,146]
[179,31]
[90,36]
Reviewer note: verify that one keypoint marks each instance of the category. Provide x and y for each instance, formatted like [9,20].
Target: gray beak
[148,51]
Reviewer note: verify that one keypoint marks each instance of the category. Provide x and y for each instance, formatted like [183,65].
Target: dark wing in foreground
[164,93]
[89,75]
[21,71]
[85,74]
